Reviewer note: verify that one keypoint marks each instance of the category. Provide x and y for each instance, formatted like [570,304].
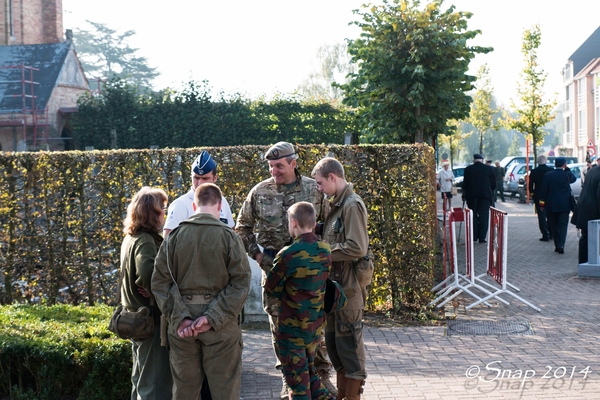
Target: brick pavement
[424,363]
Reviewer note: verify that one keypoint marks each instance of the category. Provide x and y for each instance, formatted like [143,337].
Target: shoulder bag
[133,325]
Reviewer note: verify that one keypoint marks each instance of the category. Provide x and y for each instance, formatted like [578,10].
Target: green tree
[482,112]
[515,148]
[104,52]
[533,113]
[335,65]
[454,138]
[412,66]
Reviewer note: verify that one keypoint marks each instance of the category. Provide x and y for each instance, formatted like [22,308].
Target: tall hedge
[194,116]
[61,214]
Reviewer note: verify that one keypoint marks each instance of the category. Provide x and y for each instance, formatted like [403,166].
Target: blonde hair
[144,213]
[304,213]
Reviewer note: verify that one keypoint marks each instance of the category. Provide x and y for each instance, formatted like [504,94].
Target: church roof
[15,80]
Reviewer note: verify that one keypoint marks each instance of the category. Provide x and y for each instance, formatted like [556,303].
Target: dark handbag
[134,325]
[335,299]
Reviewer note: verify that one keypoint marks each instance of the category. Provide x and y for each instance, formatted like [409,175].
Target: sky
[268,46]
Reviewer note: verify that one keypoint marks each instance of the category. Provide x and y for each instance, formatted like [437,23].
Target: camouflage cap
[280,150]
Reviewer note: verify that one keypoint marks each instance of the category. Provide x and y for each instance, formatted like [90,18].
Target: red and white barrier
[457,283]
[496,261]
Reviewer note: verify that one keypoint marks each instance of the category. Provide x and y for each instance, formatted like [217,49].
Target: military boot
[325,379]
[285,392]
[353,389]
[341,385]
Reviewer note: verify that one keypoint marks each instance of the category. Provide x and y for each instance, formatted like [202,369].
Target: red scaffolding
[29,114]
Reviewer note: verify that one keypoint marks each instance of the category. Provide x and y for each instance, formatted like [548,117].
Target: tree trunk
[480,142]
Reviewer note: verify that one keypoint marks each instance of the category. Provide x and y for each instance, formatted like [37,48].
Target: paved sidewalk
[560,360]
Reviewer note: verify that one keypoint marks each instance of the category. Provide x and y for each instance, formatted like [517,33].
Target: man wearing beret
[479,184]
[266,208]
[204,170]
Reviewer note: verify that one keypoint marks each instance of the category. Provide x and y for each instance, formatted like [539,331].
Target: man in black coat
[479,183]
[588,209]
[555,198]
[536,177]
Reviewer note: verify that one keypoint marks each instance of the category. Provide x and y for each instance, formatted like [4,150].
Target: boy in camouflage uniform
[298,279]
[265,211]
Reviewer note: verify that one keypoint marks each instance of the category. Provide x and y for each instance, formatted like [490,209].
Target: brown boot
[353,389]
[341,385]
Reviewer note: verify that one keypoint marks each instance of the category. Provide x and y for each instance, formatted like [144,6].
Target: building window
[11,24]
[582,127]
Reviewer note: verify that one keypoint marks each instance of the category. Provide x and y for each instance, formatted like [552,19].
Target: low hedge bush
[62,352]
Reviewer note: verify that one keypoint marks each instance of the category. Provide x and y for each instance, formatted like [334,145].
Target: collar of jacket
[337,201]
[298,180]
[203,219]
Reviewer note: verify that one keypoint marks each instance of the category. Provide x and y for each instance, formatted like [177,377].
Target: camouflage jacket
[299,278]
[266,208]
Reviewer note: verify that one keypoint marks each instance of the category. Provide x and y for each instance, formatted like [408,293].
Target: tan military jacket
[206,258]
[345,229]
[266,208]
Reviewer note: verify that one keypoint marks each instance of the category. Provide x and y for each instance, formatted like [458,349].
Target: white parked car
[576,169]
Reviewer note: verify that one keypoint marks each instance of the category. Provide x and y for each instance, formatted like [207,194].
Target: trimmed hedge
[61,214]
[62,352]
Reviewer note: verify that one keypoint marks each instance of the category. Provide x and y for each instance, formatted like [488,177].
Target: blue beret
[559,162]
[203,164]
[477,157]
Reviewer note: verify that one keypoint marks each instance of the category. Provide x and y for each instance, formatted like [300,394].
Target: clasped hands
[188,328]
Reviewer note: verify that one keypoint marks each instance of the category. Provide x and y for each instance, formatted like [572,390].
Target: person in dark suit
[479,183]
[555,199]
[588,209]
[536,177]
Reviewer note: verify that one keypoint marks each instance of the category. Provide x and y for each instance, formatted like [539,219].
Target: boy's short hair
[328,165]
[304,213]
[207,194]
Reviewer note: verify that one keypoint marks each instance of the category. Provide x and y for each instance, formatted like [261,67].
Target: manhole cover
[456,327]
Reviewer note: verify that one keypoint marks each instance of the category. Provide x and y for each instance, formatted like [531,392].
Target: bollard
[591,269]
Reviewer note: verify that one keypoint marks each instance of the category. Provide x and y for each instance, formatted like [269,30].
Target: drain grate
[483,328]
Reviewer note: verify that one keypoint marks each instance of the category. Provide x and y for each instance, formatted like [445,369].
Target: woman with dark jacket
[151,372]
[555,199]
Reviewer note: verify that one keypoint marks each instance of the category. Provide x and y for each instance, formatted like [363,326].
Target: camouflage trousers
[300,373]
[271,306]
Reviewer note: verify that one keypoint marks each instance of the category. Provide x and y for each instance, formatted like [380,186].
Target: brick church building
[40,76]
